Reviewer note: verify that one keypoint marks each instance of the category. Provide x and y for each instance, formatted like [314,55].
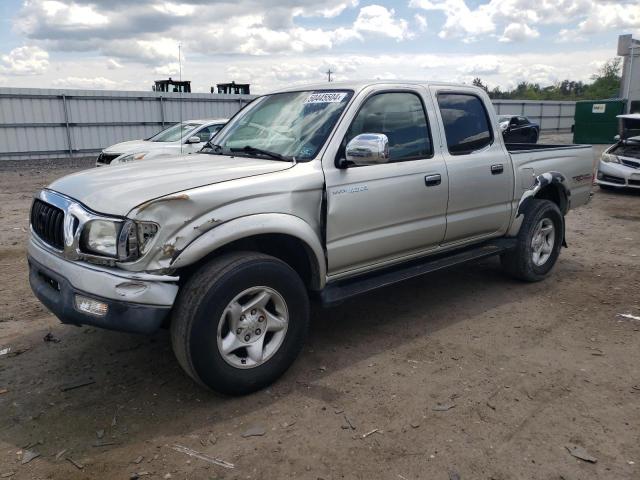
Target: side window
[466,123]
[205,133]
[401,117]
[522,121]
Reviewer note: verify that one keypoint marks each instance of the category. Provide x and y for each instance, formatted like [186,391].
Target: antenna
[329,72]
[180,91]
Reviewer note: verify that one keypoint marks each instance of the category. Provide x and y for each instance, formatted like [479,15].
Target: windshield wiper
[259,151]
[217,149]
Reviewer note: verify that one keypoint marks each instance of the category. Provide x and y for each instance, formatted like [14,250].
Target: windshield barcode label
[326,97]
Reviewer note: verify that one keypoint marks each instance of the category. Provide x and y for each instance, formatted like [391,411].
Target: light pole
[628,95]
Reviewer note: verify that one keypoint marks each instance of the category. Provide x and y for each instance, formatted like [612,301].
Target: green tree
[606,83]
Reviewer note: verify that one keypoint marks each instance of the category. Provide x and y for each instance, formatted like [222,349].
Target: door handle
[432,180]
[497,169]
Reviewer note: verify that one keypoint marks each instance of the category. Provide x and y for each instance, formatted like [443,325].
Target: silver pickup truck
[323,191]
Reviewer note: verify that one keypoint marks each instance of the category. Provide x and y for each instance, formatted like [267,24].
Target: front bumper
[617,175]
[133,304]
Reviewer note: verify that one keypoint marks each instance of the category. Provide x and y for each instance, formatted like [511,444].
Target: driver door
[378,214]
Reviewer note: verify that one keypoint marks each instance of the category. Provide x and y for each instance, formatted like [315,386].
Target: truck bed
[574,162]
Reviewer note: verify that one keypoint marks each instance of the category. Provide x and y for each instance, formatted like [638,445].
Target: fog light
[91,306]
[600,175]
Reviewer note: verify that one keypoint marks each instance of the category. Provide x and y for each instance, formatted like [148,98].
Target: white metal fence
[46,123]
[552,116]
[43,123]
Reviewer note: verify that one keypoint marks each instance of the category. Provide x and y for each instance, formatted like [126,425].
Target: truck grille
[107,158]
[47,222]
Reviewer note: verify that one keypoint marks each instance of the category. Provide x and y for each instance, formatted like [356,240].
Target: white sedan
[186,137]
[619,166]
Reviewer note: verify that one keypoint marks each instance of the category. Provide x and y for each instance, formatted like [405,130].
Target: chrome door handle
[497,169]
[432,180]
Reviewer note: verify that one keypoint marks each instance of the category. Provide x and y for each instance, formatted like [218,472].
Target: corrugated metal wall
[550,115]
[47,123]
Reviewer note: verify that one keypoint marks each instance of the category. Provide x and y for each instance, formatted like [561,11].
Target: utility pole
[329,72]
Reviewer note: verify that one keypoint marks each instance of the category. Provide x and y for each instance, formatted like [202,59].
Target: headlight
[129,158]
[101,237]
[125,241]
[608,158]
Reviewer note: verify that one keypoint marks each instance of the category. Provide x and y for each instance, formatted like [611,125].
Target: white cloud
[113,64]
[379,20]
[461,22]
[518,32]
[27,60]
[421,20]
[95,83]
[168,69]
[518,18]
[481,65]
[609,16]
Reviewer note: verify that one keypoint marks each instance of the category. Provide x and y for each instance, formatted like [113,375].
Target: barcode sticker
[326,97]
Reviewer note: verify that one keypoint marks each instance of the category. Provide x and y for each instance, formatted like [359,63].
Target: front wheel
[240,322]
[539,242]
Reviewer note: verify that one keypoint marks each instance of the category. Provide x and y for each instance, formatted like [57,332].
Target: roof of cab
[202,121]
[359,85]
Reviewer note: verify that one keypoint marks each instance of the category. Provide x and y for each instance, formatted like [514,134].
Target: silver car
[619,166]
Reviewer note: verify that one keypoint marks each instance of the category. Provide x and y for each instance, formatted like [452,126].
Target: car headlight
[608,158]
[101,237]
[129,158]
[125,241]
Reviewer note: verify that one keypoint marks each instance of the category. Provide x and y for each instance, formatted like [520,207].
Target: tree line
[604,84]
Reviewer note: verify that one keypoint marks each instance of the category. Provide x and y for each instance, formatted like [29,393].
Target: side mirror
[193,140]
[368,149]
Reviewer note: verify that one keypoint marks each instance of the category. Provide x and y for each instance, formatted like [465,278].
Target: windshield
[289,126]
[174,133]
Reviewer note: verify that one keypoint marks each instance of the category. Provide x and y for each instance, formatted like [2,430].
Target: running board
[335,293]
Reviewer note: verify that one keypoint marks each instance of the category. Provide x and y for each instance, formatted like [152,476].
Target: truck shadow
[60,394]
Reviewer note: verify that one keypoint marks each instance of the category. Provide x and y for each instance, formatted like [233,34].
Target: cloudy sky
[126,44]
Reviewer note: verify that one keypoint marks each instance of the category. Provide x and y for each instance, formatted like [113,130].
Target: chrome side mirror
[193,140]
[368,149]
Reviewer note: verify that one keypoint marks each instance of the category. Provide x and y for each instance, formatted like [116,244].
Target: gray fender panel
[255,225]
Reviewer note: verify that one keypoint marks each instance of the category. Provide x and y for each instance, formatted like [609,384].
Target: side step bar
[336,293]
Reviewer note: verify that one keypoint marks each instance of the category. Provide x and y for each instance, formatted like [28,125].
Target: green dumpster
[595,120]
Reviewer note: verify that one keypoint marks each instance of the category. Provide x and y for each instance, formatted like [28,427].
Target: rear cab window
[466,122]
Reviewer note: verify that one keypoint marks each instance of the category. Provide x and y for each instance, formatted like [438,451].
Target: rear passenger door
[479,167]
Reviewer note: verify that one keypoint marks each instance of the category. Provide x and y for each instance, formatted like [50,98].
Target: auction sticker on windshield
[326,97]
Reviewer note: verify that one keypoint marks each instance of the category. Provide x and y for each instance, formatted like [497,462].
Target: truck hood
[117,190]
[134,146]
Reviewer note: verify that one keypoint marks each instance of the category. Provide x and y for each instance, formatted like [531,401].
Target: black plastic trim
[337,292]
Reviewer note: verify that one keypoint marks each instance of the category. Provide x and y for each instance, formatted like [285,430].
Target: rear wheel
[533,137]
[539,242]
[240,322]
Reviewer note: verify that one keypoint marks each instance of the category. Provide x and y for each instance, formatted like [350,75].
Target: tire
[521,262]
[211,302]
[533,137]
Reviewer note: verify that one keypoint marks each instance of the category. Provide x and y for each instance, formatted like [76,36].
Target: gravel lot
[465,373]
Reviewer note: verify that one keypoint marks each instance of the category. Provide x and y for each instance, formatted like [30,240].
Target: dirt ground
[463,374]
